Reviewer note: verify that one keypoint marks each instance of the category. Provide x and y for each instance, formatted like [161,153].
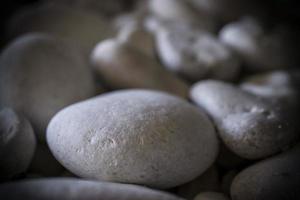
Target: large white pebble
[17,144]
[196,54]
[76,189]
[39,75]
[134,136]
[120,65]
[251,127]
[82,28]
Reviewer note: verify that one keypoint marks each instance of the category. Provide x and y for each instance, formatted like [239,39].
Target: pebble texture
[17,144]
[120,66]
[275,178]
[196,54]
[251,127]
[134,136]
[39,75]
[85,29]
[76,189]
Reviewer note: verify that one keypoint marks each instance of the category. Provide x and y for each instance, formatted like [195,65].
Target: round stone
[134,136]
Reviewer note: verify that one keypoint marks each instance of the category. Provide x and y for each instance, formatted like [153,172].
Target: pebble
[134,136]
[122,66]
[261,49]
[248,125]
[39,75]
[76,189]
[17,144]
[211,196]
[82,28]
[196,54]
[275,178]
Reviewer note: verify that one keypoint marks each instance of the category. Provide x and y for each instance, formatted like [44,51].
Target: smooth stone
[134,136]
[260,49]
[17,144]
[279,86]
[39,75]
[196,54]
[249,126]
[208,181]
[44,163]
[122,66]
[77,189]
[211,196]
[275,178]
[82,28]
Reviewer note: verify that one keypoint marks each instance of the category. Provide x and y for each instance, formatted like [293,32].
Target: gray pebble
[276,178]
[134,136]
[76,189]
[249,126]
[17,144]
[119,66]
[39,75]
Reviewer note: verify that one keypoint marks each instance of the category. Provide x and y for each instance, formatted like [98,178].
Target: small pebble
[134,136]
[249,126]
[119,66]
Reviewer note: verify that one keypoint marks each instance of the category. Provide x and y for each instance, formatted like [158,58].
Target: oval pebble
[250,126]
[134,136]
[76,189]
[196,54]
[39,75]
[122,66]
[83,28]
[275,178]
[17,144]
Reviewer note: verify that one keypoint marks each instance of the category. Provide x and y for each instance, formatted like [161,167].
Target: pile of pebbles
[151,99]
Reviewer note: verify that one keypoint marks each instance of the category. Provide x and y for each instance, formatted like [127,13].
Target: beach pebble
[39,75]
[196,54]
[119,66]
[208,181]
[227,181]
[82,28]
[249,126]
[76,189]
[211,196]
[276,178]
[17,144]
[134,136]
[260,48]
